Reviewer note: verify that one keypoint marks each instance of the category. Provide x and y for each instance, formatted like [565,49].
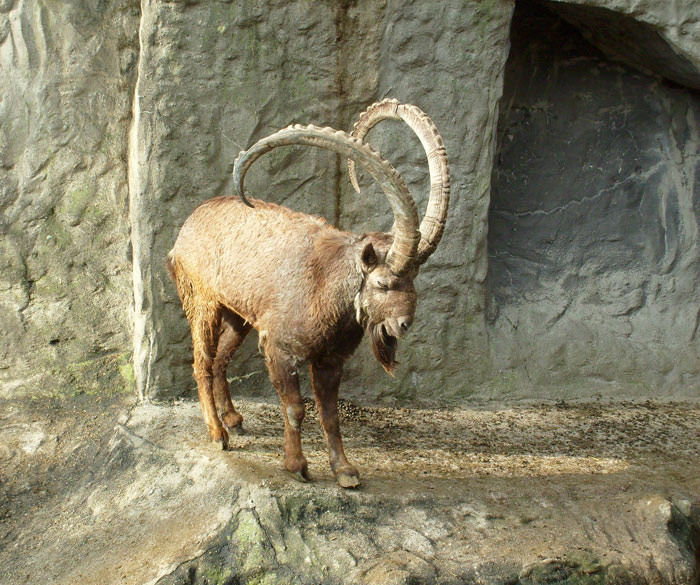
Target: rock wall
[119,118]
[594,218]
[249,69]
[67,78]
[246,70]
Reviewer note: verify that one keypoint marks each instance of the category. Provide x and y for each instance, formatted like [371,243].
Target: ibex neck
[335,276]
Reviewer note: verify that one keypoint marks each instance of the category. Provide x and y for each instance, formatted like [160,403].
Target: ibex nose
[397,326]
[405,323]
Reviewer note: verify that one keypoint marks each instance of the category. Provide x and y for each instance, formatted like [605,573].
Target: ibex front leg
[325,379]
[284,378]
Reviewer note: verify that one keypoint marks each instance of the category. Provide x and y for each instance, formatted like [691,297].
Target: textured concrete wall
[595,261]
[117,119]
[244,71]
[676,23]
[247,70]
[448,59]
[66,84]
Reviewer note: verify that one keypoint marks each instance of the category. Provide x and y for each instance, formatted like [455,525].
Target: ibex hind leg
[205,323]
[204,317]
[205,333]
[233,331]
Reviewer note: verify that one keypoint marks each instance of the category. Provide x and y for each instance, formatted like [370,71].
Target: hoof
[220,439]
[301,476]
[233,422]
[221,444]
[299,470]
[348,480]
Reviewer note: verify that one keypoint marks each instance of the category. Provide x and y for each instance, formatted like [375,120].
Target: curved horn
[433,224]
[406,236]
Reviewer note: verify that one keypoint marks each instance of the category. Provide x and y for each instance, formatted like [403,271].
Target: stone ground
[117,493]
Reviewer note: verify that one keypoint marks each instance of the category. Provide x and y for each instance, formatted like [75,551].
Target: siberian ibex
[309,289]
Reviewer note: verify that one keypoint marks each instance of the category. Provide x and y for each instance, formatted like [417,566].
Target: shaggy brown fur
[307,288]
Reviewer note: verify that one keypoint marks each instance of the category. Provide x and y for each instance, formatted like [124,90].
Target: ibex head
[386,302]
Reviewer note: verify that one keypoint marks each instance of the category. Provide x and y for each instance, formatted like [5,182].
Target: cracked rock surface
[494,493]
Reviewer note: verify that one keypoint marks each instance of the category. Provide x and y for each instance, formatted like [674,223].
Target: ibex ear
[368,258]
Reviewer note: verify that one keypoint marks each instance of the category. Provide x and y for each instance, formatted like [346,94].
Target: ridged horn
[402,254]
[433,224]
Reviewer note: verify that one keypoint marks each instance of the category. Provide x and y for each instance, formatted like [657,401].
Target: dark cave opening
[595,200]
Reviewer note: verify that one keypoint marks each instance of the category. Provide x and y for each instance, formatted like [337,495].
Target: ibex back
[309,289]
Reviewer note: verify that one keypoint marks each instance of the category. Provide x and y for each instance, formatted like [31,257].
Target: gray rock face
[594,260]
[115,124]
[453,70]
[250,71]
[65,284]
[638,43]
[246,71]
[676,23]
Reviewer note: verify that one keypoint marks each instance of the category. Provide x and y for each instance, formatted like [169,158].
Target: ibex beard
[310,290]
